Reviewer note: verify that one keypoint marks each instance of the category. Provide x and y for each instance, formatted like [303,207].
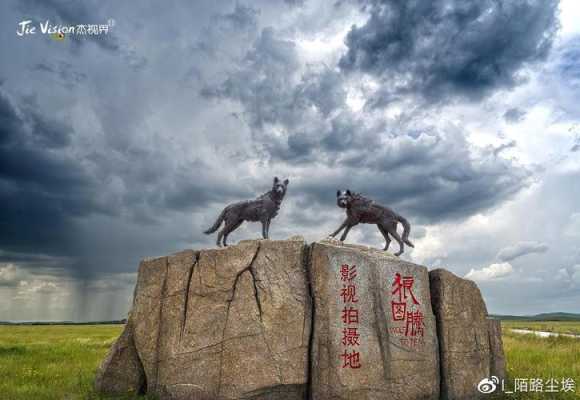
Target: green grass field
[52,362]
[529,356]
[59,362]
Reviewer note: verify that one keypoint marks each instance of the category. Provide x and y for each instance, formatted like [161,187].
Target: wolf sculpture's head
[344,198]
[279,188]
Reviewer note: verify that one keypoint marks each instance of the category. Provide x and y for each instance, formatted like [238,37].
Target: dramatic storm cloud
[461,115]
[443,48]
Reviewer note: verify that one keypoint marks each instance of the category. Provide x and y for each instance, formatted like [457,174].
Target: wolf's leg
[340,228]
[343,237]
[264,233]
[230,229]
[219,238]
[392,229]
[385,235]
[227,224]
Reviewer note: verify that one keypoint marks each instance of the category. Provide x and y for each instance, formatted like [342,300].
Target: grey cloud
[295,3]
[433,173]
[576,144]
[9,275]
[433,177]
[569,62]
[39,189]
[241,18]
[521,249]
[514,115]
[262,82]
[63,71]
[440,48]
[47,188]
[222,37]
[419,232]
[509,145]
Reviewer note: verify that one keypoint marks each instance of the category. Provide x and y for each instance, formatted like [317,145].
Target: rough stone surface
[121,371]
[395,363]
[228,323]
[498,365]
[263,320]
[462,327]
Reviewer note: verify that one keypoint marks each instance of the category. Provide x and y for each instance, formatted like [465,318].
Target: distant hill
[557,316]
[121,321]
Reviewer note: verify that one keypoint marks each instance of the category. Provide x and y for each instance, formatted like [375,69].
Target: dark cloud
[433,177]
[521,249]
[40,185]
[46,190]
[303,119]
[440,48]
[514,115]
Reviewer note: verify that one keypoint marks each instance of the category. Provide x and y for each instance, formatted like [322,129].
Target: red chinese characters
[350,358]
[405,309]
[404,287]
[415,324]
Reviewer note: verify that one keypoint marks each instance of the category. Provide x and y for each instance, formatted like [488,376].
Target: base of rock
[121,371]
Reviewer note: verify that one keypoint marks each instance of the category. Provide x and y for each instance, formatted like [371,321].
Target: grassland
[529,356]
[59,362]
[570,327]
[52,362]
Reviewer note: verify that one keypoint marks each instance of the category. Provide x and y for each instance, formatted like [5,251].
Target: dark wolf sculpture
[359,209]
[263,209]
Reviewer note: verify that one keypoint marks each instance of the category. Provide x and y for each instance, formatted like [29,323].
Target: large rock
[225,323]
[280,320]
[463,333]
[397,349]
[498,365]
[121,371]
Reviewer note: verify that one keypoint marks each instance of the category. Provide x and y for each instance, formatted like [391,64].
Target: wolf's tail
[217,223]
[406,231]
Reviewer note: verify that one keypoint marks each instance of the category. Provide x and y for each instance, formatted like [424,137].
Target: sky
[460,115]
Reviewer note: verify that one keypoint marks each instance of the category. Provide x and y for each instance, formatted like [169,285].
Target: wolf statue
[359,209]
[263,209]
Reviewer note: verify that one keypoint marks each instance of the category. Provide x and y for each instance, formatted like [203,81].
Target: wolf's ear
[276,180]
[286,182]
[348,192]
[337,193]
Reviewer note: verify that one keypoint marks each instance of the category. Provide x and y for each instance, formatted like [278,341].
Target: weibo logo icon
[488,385]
